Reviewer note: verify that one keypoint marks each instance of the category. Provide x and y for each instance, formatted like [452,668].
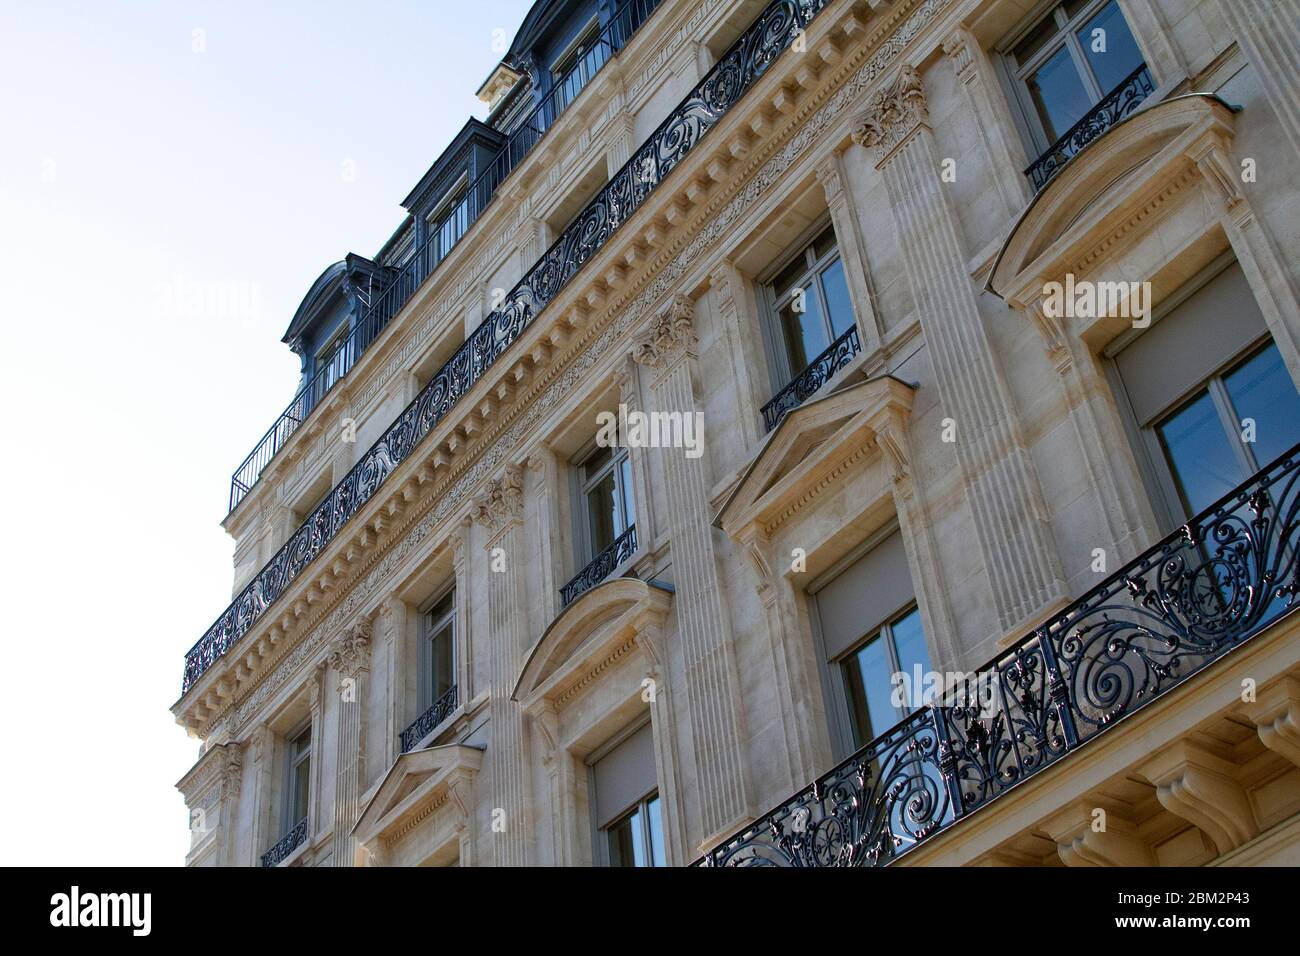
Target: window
[810,301]
[897,648]
[1211,401]
[869,630]
[577,65]
[1067,63]
[438,651]
[607,509]
[334,359]
[298,779]
[637,839]
[626,802]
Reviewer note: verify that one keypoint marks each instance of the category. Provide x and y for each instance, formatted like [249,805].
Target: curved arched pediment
[599,620]
[1149,148]
[327,286]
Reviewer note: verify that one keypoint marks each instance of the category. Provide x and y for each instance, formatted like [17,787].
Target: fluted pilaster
[667,349]
[350,659]
[1000,481]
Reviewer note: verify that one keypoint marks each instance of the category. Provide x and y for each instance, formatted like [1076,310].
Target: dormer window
[580,61]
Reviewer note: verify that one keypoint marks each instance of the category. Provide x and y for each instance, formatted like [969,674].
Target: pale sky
[167,197]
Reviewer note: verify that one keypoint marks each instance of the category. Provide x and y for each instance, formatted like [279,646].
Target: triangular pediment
[811,440]
[414,780]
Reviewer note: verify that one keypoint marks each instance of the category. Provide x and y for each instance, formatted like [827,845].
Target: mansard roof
[448,166]
[325,291]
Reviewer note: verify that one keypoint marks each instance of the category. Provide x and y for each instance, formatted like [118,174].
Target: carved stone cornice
[503,502]
[670,334]
[893,113]
[350,653]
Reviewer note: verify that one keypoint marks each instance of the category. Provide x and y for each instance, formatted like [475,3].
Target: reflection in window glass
[805,332]
[1058,94]
[1199,454]
[637,839]
[1120,56]
[1261,390]
[838,307]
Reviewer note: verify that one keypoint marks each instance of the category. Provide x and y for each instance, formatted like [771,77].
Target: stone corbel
[1198,786]
[1054,334]
[1276,715]
[1079,844]
[1210,153]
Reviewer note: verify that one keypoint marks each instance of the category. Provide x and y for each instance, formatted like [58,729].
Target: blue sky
[174,176]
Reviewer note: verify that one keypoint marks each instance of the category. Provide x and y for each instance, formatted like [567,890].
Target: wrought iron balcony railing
[288,843]
[443,235]
[443,708]
[600,567]
[1119,103]
[1177,608]
[817,374]
[727,82]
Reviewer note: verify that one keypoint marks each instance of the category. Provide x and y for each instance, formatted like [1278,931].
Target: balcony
[601,567]
[1187,602]
[1116,105]
[737,70]
[810,380]
[443,236]
[423,725]
[288,843]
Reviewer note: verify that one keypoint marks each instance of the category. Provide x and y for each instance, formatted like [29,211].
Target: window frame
[1153,464]
[774,300]
[583,487]
[885,632]
[568,58]
[431,628]
[642,806]
[601,855]
[839,705]
[296,763]
[1066,35]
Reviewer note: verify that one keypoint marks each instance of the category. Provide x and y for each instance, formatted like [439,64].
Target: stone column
[1265,29]
[709,659]
[1000,481]
[992,119]
[844,217]
[500,511]
[350,658]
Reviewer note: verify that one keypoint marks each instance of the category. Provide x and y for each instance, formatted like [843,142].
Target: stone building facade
[931,336]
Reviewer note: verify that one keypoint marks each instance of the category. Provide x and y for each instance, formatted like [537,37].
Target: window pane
[626,844]
[805,333]
[1203,463]
[657,855]
[1121,55]
[301,780]
[602,505]
[629,506]
[825,243]
[909,645]
[867,674]
[1058,94]
[790,276]
[597,460]
[440,662]
[838,305]
[1262,391]
[1035,40]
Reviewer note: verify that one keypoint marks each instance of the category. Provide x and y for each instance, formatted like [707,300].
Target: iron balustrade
[443,708]
[1119,103]
[600,567]
[817,374]
[1174,610]
[733,75]
[443,236]
[288,843]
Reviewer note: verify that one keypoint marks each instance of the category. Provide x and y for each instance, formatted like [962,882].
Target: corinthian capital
[892,114]
[351,650]
[504,500]
[672,332]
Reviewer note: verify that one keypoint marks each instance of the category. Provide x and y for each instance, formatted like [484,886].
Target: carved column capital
[671,334]
[350,652]
[893,114]
[503,502]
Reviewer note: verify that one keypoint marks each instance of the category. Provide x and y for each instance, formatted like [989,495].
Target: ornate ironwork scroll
[1177,608]
[738,69]
[600,567]
[288,843]
[420,727]
[817,374]
[1114,106]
